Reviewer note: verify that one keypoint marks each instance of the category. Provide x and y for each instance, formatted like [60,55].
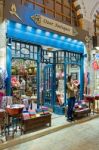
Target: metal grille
[24,50]
[30,51]
[47,57]
[67,57]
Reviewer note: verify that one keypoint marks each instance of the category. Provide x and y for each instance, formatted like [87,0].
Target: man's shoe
[69,120]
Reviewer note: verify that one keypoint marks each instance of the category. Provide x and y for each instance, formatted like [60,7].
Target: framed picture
[74,75]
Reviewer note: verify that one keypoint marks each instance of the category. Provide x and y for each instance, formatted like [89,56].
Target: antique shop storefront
[43,51]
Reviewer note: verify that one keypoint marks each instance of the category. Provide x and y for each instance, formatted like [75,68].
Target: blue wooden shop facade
[35,35]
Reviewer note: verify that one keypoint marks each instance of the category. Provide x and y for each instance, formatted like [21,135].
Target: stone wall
[3,45]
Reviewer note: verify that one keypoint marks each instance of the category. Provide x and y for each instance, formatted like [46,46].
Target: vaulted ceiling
[89,8]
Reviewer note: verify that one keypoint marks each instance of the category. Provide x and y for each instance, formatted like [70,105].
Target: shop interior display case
[24,69]
[72,70]
[60,84]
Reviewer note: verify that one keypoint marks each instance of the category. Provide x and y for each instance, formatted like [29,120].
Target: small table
[14,111]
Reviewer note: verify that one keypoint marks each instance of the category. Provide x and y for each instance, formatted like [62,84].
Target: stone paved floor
[83,136]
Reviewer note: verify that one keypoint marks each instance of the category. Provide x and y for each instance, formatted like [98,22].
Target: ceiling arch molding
[78,12]
[94,10]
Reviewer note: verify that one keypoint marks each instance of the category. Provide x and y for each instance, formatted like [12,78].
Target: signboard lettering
[52,24]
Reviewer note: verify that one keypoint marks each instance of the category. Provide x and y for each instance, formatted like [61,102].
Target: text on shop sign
[52,24]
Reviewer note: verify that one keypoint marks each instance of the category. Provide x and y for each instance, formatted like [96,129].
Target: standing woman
[71,98]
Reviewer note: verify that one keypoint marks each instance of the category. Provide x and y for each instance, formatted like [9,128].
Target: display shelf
[25,70]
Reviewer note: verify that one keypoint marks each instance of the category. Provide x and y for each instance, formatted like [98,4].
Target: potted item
[14,109]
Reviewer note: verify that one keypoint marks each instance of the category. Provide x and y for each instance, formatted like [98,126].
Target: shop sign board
[52,24]
[14,10]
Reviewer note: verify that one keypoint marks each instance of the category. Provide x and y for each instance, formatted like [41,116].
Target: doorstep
[58,122]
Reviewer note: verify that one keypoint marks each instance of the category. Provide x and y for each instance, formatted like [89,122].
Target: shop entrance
[48,85]
[67,63]
[46,71]
[21,45]
[47,77]
[60,84]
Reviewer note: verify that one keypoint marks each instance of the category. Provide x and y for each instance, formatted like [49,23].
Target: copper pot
[14,109]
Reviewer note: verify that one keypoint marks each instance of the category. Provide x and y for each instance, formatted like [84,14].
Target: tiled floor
[56,120]
[83,136]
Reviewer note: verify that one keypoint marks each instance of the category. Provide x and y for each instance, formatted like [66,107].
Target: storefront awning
[42,37]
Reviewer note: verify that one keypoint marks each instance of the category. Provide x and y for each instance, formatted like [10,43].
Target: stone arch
[78,12]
